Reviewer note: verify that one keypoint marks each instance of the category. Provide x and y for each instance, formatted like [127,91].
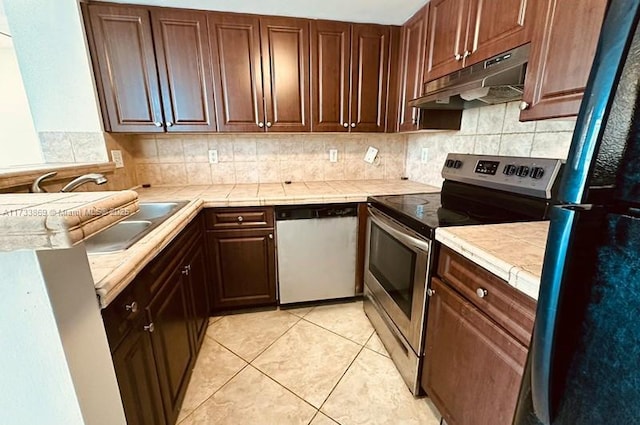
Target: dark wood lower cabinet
[135,368]
[198,285]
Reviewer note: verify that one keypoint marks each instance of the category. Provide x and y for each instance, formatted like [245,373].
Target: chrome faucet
[36,188]
[87,178]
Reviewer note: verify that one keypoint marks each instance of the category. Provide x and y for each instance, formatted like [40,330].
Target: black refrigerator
[584,359]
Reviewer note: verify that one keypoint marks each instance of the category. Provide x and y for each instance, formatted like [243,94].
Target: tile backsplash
[490,130]
[265,158]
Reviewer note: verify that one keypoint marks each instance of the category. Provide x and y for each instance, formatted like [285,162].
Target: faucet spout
[87,178]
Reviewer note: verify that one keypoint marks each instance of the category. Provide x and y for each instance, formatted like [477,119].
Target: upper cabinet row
[178,71]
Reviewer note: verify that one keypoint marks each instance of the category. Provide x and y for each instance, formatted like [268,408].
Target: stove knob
[509,170]
[522,171]
[457,164]
[537,173]
[449,163]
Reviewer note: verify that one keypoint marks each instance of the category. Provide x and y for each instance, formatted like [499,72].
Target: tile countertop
[514,251]
[113,272]
[60,220]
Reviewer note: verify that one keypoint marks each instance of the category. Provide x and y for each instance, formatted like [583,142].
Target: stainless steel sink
[124,234]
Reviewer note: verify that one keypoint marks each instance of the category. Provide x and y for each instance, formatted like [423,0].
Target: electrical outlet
[213,156]
[371,154]
[333,155]
[116,156]
[424,157]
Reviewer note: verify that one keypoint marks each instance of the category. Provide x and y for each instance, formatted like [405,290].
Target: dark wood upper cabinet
[563,48]
[126,71]
[369,74]
[412,52]
[464,32]
[285,67]
[237,65]
[474,368]
[184,66]
[330,82]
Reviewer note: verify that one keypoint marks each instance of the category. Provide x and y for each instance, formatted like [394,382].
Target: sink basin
[124,234]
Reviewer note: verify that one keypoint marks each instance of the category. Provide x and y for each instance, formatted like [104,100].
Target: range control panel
[526,176]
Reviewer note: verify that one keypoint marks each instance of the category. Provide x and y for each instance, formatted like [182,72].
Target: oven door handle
[398,232]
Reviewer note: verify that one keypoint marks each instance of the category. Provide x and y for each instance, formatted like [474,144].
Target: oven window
[393,265]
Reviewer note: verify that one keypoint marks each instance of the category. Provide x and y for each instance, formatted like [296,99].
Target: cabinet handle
[353,125]
[150,327]
[345,125]
[466,54]
[133,307]
[157,124]
[524,106]
[270,235]
[457,57]
[268,124]
[481,292]
[169,124]
[261,124]
[240,219]
[431,292]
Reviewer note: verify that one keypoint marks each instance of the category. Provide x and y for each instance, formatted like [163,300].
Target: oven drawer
[239,218]
[505,305]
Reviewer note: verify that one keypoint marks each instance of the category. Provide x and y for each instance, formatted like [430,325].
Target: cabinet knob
[481,292]
[240,219]
[457,57]
[524,106]
[261,124]
[268,124]
[157,124]
[133,307]
[345,125]
[431,292]
[186,270]
[169,124]
[150,327]
[270,235]
[466,54]
[353,125]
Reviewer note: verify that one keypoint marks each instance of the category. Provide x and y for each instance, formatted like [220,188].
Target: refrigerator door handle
[542,346]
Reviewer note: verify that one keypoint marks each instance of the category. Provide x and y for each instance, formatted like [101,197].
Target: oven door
[397,263]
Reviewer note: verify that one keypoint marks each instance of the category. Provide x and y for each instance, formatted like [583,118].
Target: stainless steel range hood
[496,80]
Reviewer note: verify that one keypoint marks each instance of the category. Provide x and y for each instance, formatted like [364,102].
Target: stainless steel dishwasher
[317,246]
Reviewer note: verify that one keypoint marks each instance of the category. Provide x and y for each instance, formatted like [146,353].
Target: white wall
[52,53]
[489,130]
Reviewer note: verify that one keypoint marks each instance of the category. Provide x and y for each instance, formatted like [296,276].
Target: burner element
[409,200]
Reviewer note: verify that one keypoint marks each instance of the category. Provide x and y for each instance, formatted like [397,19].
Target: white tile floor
[320,365]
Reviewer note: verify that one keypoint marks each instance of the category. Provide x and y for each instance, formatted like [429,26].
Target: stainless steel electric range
[478,189]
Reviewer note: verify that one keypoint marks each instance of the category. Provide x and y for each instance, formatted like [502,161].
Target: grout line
[280,385]
[335,333]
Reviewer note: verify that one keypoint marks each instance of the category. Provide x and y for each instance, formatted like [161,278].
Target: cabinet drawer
[504,304]
[238,218]
[121,314]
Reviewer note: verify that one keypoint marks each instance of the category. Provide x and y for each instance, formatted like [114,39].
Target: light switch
[333,155]
[116,156]
[213,156]
[424,157]
[371,154]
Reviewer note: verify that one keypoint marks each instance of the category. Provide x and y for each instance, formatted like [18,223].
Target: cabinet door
[244,264]
[169,312]
[448,22]
[184,66]
[235,51]
[126,68]
[196,270]
[473,368]
[330,60]
[369,74]
[496,26]
[563,48]
[414,34]
[285,64]
[136,372]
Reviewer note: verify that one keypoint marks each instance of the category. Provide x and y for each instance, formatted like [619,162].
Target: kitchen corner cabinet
[155,328]
[477,340]
[412,52]
[563,49]
[242,256]
[349,71]
[465,32]
[152,68]
[261,68]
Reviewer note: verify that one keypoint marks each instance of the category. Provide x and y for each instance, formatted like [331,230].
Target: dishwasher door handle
[398,232]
